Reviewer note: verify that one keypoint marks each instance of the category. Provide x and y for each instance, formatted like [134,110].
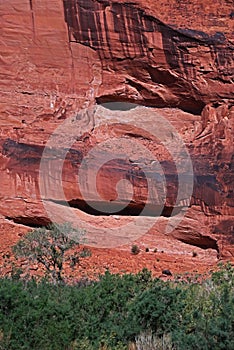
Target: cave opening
[132,209]
[119,105]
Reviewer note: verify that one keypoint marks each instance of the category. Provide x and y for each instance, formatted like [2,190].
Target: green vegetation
[135,249]
[118,311]
[47,247]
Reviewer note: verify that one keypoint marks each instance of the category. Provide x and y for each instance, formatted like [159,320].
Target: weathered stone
[59,58]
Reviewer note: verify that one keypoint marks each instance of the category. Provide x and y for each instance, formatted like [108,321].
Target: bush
[47,247]
[85,253]
[135,249]
[118,310]
[157,309]
[208,316]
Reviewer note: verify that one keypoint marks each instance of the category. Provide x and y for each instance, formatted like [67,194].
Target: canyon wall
[65,64]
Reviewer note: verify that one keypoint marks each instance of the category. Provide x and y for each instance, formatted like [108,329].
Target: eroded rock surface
[59,60]
[159,65]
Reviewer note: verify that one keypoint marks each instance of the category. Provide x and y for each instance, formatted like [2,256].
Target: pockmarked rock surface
[109,94]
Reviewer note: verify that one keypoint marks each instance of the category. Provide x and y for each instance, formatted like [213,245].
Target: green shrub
[47,247]
[118,310]
[85,253]
[135,249]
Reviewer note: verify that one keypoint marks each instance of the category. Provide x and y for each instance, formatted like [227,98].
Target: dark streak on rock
[90,23]
[32,15]
[31,6]
[128,19]
[30,221]
[27,154]
[22,152]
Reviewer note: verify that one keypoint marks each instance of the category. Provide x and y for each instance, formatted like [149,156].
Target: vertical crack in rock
[72,64]
[33,17]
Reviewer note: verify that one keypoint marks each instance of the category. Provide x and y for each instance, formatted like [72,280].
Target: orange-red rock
[58,58]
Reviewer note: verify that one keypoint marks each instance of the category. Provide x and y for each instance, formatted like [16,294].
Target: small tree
[48,246]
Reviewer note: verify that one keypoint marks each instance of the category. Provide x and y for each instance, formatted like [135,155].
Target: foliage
[48,247]
[85,253]
[135,249]
[116,311]
[208,315]
[157,309]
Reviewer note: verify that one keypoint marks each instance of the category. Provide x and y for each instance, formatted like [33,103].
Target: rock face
[61,59]
[172,67]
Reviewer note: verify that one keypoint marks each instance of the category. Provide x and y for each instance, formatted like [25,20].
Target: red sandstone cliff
[58,57]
